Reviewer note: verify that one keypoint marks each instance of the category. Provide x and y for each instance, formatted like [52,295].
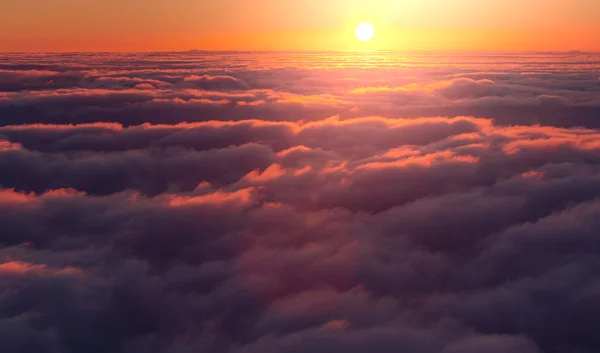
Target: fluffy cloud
[158,205]
[552,90]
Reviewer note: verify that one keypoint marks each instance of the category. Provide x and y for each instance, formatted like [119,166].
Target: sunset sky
[299,176]
[149,25]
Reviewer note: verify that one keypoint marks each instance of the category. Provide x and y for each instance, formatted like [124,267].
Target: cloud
[161,203]
[215,82]
[556,91]
[151,171]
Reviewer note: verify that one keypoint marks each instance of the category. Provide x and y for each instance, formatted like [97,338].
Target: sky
[161,25]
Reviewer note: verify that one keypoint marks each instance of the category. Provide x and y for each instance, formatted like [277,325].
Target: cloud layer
[209,202]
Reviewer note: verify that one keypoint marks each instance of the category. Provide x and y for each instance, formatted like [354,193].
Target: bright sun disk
[365,32]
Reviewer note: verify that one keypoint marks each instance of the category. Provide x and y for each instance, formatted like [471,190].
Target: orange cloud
[102,125]
[239,197]
[9,146]
[10,196]
[12,268]
[425,160]
[19,267]
[272,172]
[551,144]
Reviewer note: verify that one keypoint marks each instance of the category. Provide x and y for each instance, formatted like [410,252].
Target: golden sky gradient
[148,25]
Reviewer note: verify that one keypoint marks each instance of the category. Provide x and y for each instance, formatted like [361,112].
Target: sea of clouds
[299,203]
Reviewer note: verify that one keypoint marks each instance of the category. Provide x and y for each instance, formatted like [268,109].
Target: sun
[365,32]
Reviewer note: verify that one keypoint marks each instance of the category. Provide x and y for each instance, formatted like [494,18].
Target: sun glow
[365,32]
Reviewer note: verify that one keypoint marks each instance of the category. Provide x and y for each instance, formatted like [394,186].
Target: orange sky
[146,25]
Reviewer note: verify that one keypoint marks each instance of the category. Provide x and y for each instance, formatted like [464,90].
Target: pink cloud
[336,325]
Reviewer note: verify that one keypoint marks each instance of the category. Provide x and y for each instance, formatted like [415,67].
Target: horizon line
[307,51]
